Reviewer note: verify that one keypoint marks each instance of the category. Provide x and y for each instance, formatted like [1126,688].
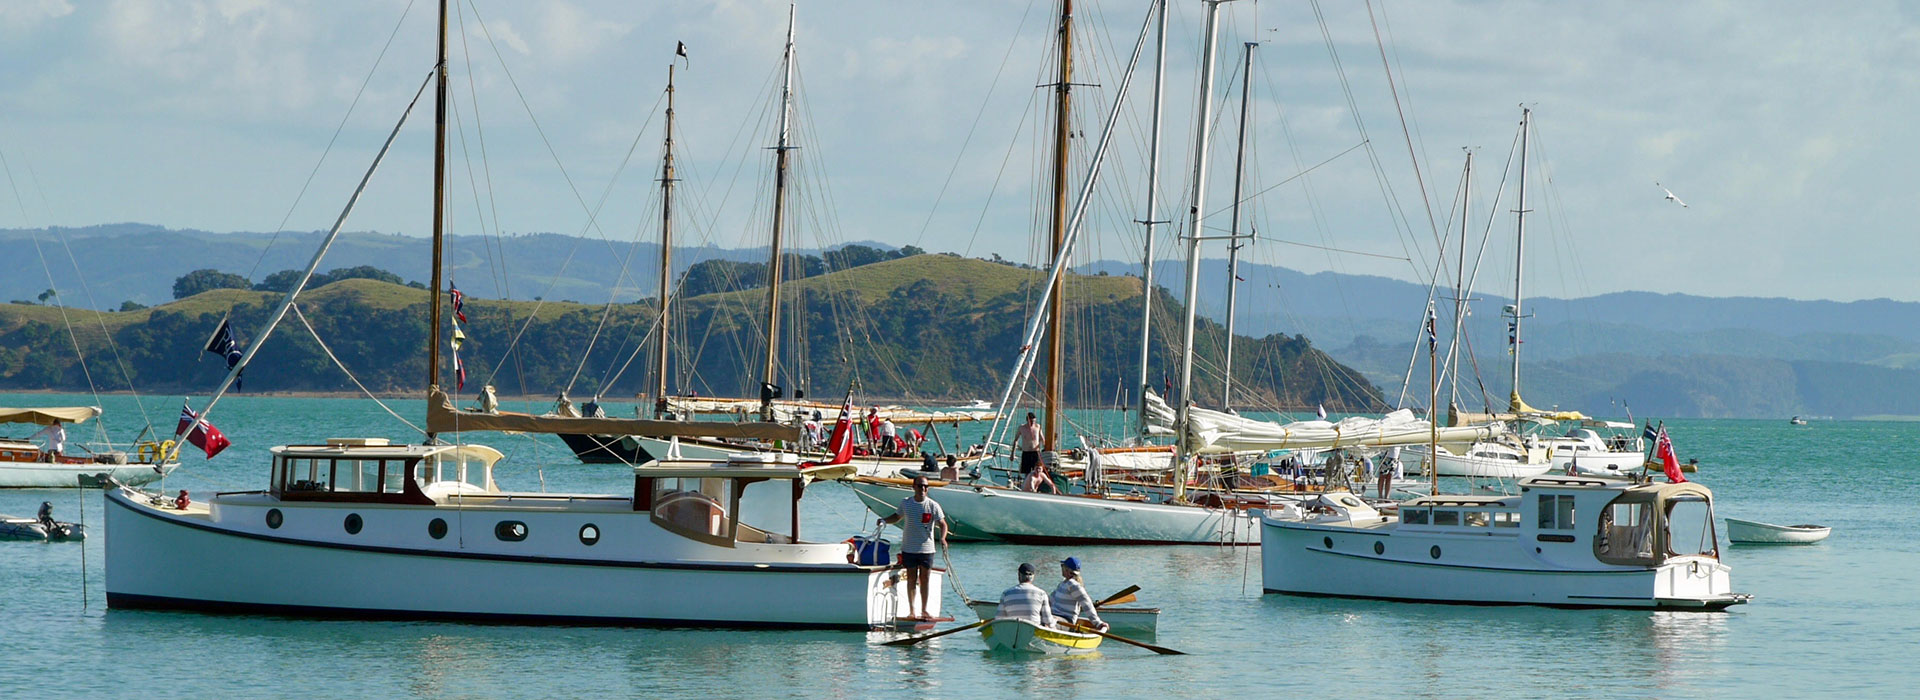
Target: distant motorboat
[977,405]
[32,529]
[1754,532]
[1797,421]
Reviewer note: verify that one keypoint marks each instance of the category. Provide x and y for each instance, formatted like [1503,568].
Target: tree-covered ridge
[928,326]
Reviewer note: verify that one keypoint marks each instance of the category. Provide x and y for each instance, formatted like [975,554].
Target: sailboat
[361,528]
[25,465]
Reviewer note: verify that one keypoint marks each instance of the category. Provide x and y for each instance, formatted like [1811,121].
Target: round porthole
[589,534]
[1434,552]
[1327,541]
[354,523]
[1379,548]
[274,518]
[510,531]
[437,529]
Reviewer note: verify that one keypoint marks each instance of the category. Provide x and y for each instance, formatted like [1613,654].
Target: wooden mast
[439,207]
[767,373]
[1233,240]
[666,260]
[1153,210]
[1063,92]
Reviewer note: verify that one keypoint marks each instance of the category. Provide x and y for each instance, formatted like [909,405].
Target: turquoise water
[1838,618]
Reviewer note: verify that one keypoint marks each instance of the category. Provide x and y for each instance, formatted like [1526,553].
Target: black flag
[681,51]
[222,344]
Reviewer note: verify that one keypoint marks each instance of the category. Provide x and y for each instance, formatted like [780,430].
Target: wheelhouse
[370,470]
[748,499]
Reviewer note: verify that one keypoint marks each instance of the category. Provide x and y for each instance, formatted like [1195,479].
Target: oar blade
[1115,598]
[910,641]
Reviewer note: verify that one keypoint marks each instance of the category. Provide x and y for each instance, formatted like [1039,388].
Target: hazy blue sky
[1783,125]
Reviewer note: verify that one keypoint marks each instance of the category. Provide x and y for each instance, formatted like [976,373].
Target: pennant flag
[459,302]
[203,435]
[1513,335]
[223,345]
[1433,335]
[459,368]
[1322,409]
[1663,447]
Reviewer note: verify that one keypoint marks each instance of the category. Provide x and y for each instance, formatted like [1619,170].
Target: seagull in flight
[1670,197]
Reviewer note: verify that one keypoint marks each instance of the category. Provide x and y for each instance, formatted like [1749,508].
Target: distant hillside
[927,326]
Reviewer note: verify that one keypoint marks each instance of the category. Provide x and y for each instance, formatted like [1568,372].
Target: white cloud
[570,34]
[22,16]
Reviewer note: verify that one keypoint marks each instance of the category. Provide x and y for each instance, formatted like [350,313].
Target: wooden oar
[1115,599]
[1118,638]
[910,641]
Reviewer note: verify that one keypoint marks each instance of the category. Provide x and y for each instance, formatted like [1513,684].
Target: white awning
[47,415]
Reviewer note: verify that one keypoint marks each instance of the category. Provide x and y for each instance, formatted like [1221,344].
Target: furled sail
[1216,429]
[442,417]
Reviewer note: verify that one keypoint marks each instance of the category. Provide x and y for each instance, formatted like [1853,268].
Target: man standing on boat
[1070,602]
[56,435]
[918,516]
[1025,601]
[1026,439]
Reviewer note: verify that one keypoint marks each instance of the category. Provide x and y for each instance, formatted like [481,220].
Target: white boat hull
[226,559]
[47,475]
[991,513]
[1450,464]
[1753,532]
[1019,636]
[1304,559]
[1126,622]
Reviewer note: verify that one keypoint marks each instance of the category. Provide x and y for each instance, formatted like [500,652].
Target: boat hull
[47,475]
[990,513]
[1753,532]
[1126,622]
[1304,559]
[1022,637]
[200,559]
[1449,464]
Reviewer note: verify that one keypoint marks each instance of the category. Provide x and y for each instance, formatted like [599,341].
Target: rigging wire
[343,369]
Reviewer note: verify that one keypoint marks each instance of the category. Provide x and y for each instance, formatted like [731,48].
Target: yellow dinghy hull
[1020,636]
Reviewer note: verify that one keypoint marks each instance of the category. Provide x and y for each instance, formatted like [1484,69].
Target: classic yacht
[25,465]
[1564,541]
[363,529]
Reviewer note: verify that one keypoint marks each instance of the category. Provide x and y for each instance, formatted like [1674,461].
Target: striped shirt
[1025,602]
[1070,602]
[917,519]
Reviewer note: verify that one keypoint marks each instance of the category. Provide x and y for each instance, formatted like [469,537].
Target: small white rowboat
[1012,635]
[1750,532]
[1127,622]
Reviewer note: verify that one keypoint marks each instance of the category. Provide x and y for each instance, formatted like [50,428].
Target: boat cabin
[370,470]
[1570,519]
[749,498]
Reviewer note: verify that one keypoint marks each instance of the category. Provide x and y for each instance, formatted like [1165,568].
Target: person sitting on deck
[1025,601]
[951,472]
[1070,602]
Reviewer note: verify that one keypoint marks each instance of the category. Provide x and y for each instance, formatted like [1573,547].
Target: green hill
[937,327]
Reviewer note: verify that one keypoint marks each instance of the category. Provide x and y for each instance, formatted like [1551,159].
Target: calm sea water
[1839,618]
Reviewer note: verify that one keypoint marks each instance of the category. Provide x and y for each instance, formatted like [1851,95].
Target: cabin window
[1506,519]
[698,508]
[510,531]
[1690,527]
[1414,517]
[1625,534]
[1556,512]
[1476,518]
[1446,517]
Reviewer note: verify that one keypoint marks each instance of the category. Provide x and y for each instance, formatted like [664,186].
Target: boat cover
[1225,430]
[794,411]
[47,415]
[442,417]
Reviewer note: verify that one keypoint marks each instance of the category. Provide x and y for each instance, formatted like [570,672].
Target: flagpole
[280,312]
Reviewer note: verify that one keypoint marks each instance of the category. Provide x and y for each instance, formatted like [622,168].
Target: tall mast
[1519,260]
[1233,242]
[439,206]
[781,153]
[1459,287]
[1208,37]
[1153,208]
[666,258]
[1056,305]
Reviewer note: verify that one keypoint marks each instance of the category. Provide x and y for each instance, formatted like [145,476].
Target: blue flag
[223,345]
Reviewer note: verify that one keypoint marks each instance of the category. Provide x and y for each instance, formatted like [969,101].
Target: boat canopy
[1229,431]
[442,417]
[1517,410]
[47,415]
[795,411]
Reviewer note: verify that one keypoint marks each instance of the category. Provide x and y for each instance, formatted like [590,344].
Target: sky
[1783,126]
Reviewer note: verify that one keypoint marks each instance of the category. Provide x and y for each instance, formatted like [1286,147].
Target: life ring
[155,453]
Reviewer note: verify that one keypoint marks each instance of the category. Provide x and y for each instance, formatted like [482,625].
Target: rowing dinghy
[1021,636]
[1751,532]
[12,528]
[1127,622]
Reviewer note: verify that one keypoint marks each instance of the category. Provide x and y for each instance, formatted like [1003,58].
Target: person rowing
[1070,602]
[1025,601]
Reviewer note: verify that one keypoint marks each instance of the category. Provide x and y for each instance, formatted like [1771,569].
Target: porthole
[437,529]
[354,523]
[274,518]
[1379,548]
[1434,552]
[510,531]
[1328,541]
[589,534]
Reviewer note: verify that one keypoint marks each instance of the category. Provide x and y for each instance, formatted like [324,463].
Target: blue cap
[1072,563]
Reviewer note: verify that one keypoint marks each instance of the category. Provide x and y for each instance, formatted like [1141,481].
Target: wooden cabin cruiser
[359,528]
[26,465]
[1564,541]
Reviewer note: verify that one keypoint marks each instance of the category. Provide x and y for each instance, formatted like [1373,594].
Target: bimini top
[379,448]
[46,415]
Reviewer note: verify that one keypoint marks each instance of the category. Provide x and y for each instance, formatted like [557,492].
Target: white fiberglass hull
[1754,532]
[992,513]
[1305,559]
[1610,463]
[47,475]
[226,559]
[1450,464]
